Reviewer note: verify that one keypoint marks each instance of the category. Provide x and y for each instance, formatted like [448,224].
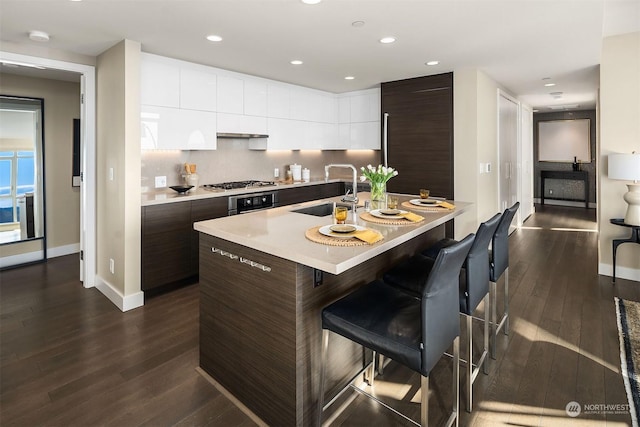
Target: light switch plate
[161,181]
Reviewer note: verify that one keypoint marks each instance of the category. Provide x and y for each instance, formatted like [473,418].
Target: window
[17,178]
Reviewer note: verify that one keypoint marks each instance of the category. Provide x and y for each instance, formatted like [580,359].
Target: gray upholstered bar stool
[415,332]
[473,289]
[499,265]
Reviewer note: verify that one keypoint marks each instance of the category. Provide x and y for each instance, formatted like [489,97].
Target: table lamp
[627,167]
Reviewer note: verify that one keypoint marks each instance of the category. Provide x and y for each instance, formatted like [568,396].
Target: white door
[508,143]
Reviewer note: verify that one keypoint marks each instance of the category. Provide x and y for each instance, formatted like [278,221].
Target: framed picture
[564,140]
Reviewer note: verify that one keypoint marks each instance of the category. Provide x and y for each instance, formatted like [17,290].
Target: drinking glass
[392,202]
[340,214]
[424,193]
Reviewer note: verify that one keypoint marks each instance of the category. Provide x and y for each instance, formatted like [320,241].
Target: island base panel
[260,332]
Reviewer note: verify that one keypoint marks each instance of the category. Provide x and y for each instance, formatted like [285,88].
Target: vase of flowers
[378,177]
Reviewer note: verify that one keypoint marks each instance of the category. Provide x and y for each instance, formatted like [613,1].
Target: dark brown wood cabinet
[166,244]
[290,196]
[420,133]
[170,244]
[202,210]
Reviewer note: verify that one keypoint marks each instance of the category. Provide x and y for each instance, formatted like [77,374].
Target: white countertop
[167,195]
[280,232]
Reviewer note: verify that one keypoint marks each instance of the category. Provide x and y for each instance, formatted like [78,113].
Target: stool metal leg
[323,365]
[494,318]
[506,301]
[455,414]
[424,401]
[469,321]
[486,334]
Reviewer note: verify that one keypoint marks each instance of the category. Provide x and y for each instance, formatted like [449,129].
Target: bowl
[181,189]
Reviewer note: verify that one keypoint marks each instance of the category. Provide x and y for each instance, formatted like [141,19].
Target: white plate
[425,202]
[378,214]
[326,230]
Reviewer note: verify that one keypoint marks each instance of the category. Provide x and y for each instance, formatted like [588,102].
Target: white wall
[118,154]
[619,133]
[475,142]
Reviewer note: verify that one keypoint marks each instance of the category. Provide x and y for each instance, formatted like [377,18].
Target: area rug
[628,314]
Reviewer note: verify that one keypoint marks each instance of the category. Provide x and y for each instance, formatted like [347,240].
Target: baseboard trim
[63,250]
[621,272]
[29,257]
[124,303]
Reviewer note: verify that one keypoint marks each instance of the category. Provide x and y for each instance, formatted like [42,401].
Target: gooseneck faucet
[354,197]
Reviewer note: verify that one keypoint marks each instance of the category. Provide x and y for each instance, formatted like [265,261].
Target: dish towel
[368,236]
[412,217]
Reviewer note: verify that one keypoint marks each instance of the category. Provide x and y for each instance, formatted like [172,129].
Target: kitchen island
[263,285]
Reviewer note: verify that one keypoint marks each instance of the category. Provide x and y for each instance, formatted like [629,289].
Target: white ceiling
[516,42]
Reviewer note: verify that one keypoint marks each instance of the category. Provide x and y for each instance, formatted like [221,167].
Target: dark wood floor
[69,357]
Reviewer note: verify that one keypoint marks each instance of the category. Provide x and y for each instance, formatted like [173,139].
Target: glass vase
[378,195]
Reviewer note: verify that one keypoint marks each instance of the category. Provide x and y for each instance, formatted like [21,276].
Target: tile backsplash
[233,161]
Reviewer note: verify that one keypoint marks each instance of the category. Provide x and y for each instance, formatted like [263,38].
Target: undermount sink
[324,209]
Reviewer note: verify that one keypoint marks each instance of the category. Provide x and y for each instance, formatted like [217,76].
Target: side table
[634,238]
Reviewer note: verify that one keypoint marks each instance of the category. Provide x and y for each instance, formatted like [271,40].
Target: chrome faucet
[347,198]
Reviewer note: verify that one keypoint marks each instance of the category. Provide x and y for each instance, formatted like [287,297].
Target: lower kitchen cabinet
[169,243]
[166,244]
[202,210]
[290,196]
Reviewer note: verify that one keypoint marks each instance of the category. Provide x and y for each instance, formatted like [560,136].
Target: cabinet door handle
[385,138]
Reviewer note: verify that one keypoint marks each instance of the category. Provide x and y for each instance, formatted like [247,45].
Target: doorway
[87,101]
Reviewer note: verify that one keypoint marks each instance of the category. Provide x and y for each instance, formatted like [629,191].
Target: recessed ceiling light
[311,1]
[387,40]
[296,62]
[349,78]
[214,38]
[549,84]
[357,24]
[38,36]
[432,63]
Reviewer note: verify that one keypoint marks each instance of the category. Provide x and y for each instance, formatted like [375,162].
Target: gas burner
[238,184]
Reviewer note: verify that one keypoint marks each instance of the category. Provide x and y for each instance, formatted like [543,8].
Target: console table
[566,175]
[634,238]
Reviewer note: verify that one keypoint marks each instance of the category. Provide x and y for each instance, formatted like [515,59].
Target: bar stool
[415,332]
[473,288]
[498,265]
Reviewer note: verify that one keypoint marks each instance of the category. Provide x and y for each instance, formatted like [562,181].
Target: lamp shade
[624,166]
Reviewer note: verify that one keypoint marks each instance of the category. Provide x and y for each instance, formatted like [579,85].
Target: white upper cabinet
[344,109]
[159,81]
[294,117]
[365,107]
[278,101]
[198,89]
[230,94]
[255,98]
[165,128]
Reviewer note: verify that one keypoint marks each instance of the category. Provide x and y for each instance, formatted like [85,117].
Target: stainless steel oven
[252,202]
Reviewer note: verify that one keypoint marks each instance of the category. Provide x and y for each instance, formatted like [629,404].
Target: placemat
[314,235]
[366,216]
[409,205]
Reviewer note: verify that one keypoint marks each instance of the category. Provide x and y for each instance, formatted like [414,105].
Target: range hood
[230,135]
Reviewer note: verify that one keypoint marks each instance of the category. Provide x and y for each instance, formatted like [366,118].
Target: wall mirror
[22,197]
